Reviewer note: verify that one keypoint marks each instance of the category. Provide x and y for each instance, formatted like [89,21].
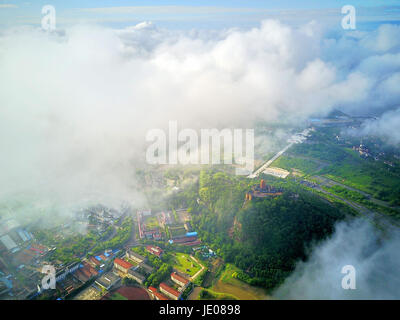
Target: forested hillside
[263,237]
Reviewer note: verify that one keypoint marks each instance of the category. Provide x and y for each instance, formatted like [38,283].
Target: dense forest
[263,237]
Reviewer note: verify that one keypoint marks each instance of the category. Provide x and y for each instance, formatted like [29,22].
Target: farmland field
[228,284]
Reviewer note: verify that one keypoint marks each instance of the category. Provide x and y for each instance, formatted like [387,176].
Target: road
[370,215]
[294,139]
[268,163]
[328,182]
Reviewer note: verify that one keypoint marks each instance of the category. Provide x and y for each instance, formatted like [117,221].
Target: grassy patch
[289,163]
[185,264]
[207,294]
[151,222]
[117,296]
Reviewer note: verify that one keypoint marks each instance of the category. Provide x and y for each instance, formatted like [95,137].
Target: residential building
[181,281]
[169,292]
[136,276]
[157,251]
[156,295]
[122,265]
[146,268]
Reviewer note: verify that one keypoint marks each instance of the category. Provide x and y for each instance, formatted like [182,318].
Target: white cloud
[7,6]
[374,256]
[168,10]
[75,108]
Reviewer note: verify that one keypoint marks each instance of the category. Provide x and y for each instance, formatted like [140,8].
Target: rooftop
[176,276]
[169,289]
[136,275]
[123,263]
[107,280]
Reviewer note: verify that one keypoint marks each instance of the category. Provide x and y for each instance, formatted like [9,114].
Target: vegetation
[288,163]
[157,277]
[208,294]
[274,232]
[72,248]
[347,167]
[185,264]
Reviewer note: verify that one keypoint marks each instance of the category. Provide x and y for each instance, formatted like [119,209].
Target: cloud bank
[76,105]
[374,255]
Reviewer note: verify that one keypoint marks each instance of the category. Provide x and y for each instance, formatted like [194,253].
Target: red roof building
[179,280]
[156,294]
[157,251]
[122,265]
[94,261]
[169,292]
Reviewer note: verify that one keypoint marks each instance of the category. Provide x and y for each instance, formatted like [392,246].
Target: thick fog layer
[374,256]
[75,105]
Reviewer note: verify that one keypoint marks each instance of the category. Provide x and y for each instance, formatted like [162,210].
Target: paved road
[370,215]
[268,163]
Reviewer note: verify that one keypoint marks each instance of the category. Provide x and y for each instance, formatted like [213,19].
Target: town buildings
[157,251]
[108,281]
[136,276]
[157,295]
[122,265]
[180,281]
[135,256]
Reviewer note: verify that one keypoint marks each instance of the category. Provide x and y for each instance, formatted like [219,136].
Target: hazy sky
[197,14]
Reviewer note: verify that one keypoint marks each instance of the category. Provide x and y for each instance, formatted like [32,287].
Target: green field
[208,294]
[347,167]
[151,222]
[185,264]
[289,163]
[228,284]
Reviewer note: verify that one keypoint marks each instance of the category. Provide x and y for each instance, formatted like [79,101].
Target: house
[122,265]
[157,251]
[136,276]
[169,292]
[179,280]
[135,257]
[146,268]
[108,281]
[156,295]
[94,262]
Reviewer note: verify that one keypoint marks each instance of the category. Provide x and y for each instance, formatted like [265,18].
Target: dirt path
[198,272]
[195,293]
